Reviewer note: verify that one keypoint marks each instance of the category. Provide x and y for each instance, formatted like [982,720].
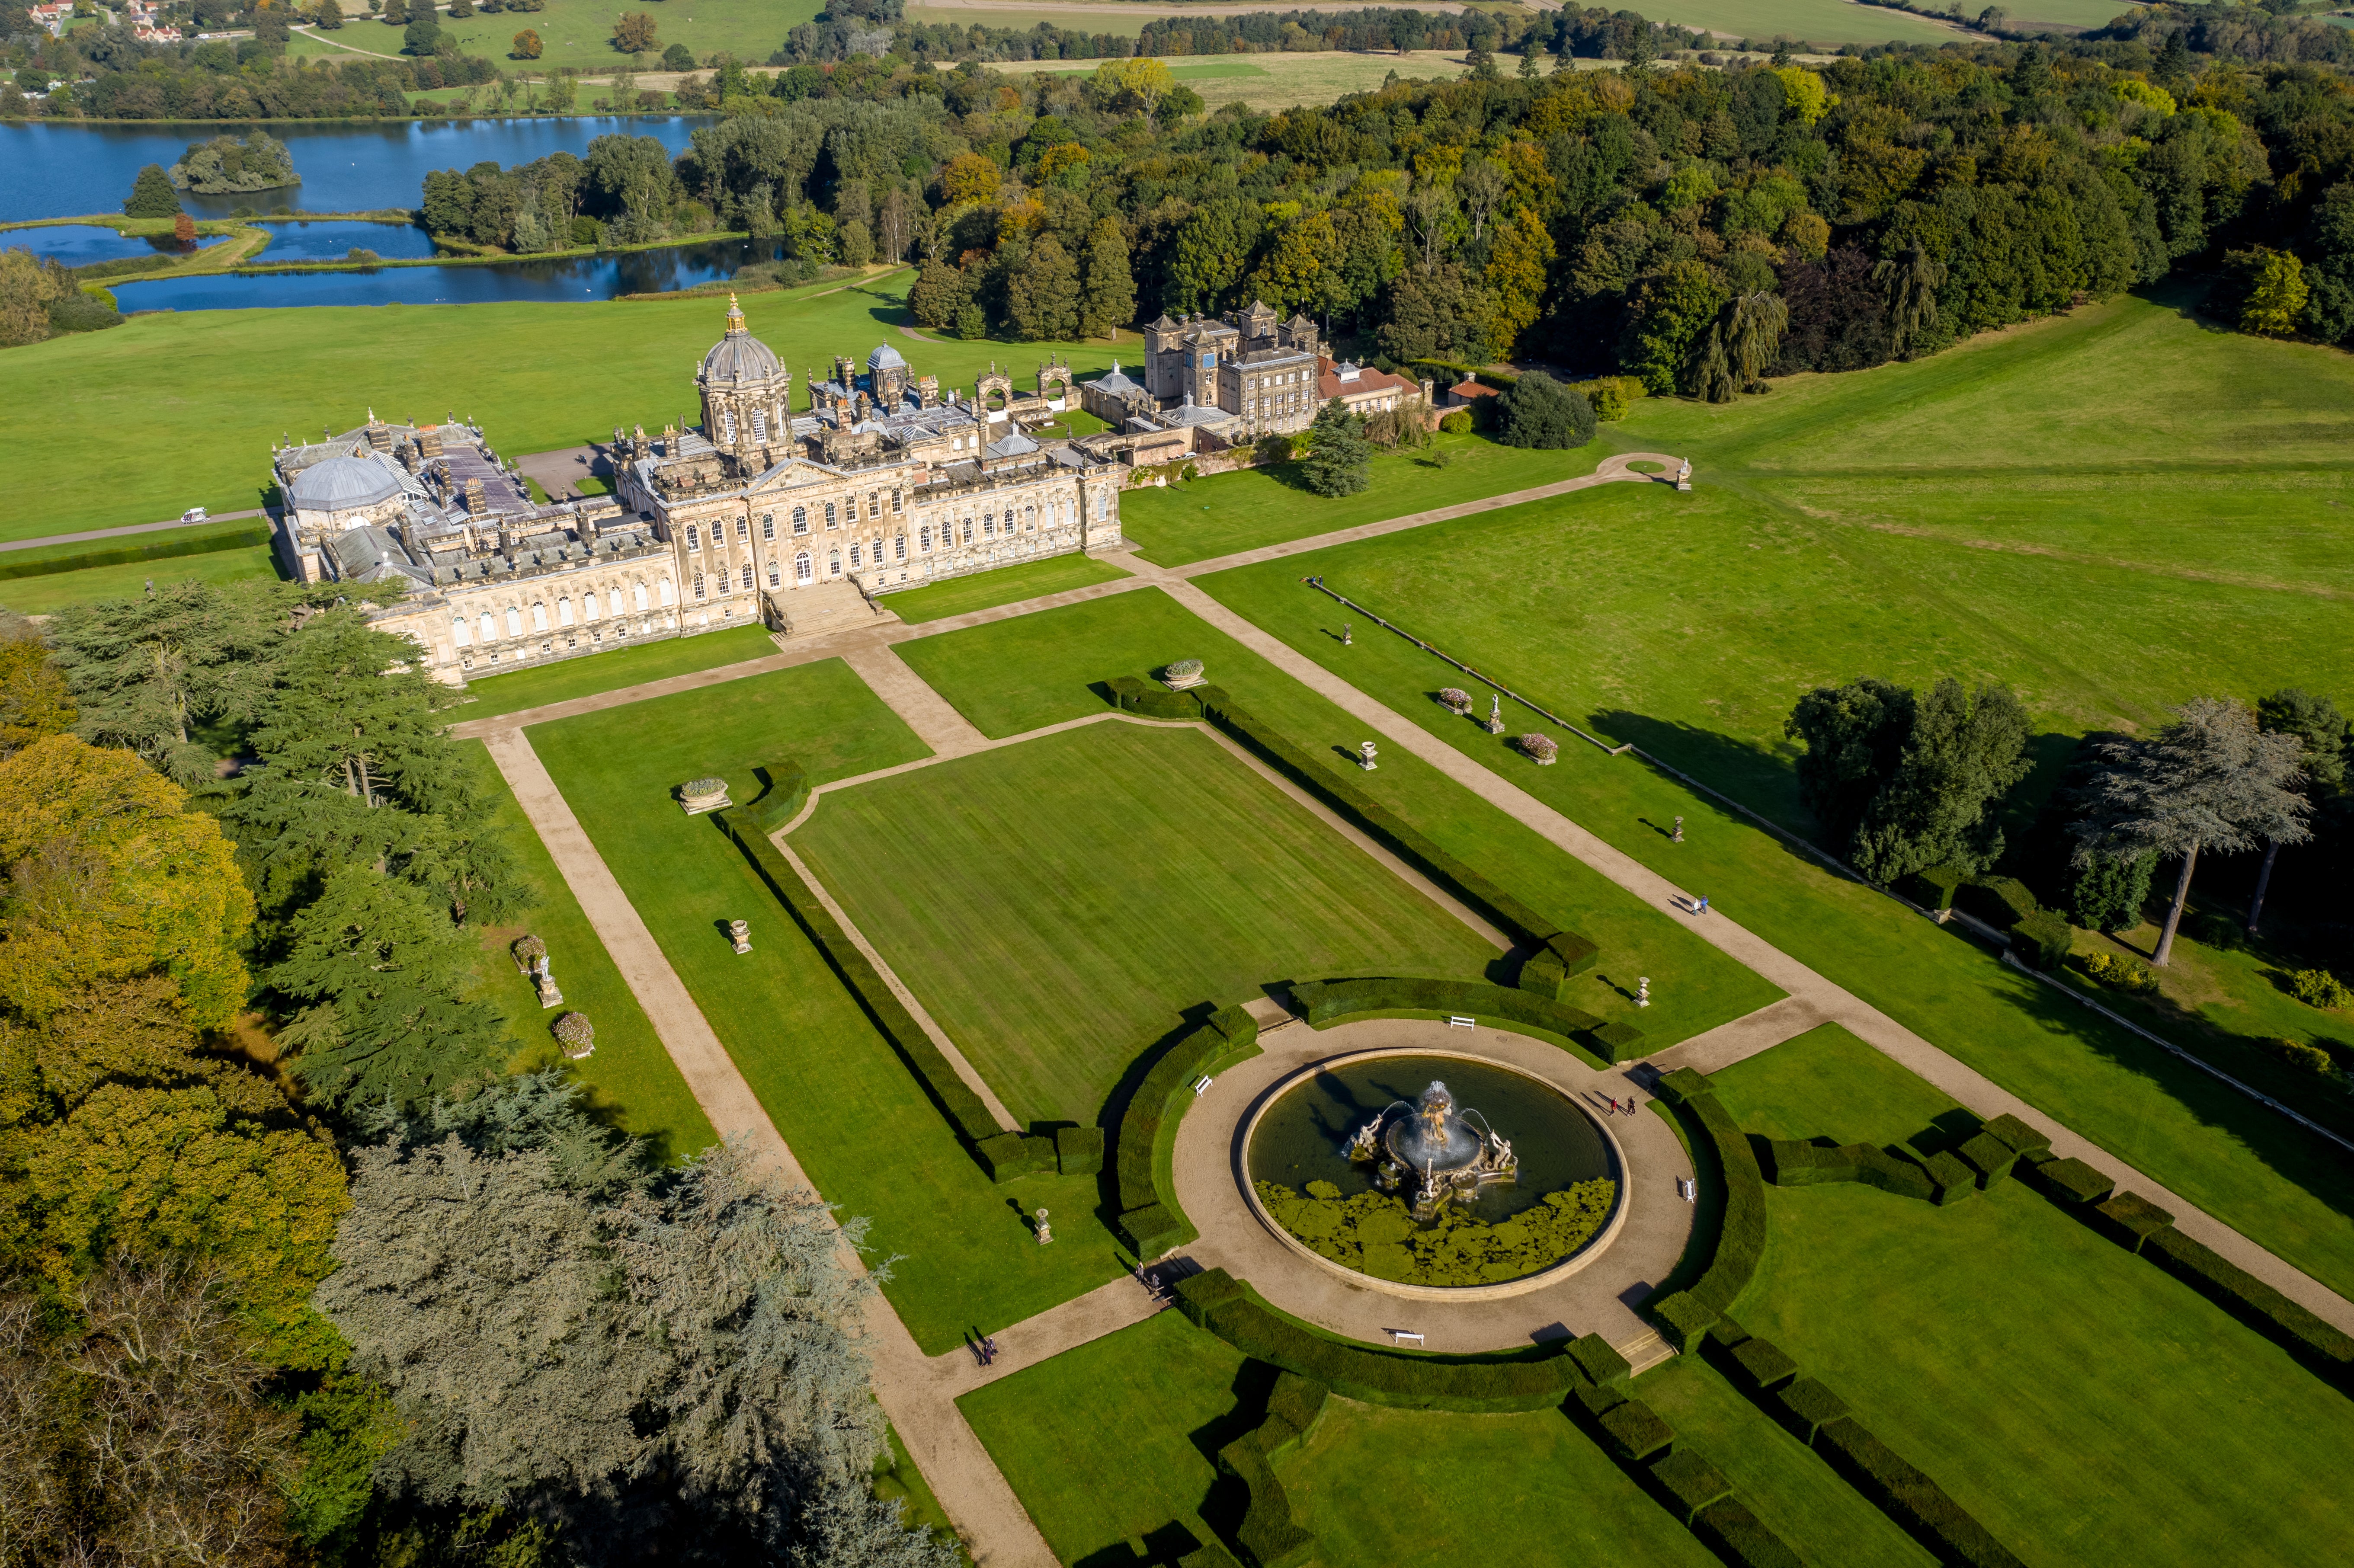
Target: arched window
[564,611]
[746,576]
[833,563]
[743,527]
[874,504]
[694,537]
[898,547]
[515,621]
[669,593]
[801,572]
[490,628]
[800,519]
[589,605]
[923,538]
[459,633]
[829,515]
[638,592]
[768,525]
[775,578]
[968,530]
[855,559]
[988,526]
[727,422]
[698,584]
[896,505]
[759,424]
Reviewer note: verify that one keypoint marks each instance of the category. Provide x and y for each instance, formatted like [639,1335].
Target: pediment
[793,473]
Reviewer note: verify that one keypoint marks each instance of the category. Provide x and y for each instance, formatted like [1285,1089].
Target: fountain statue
[1434,1145]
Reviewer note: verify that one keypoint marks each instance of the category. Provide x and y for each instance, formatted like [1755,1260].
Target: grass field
[835,1088]
[1006,585]
[1058,905]
[578,33]
[215,387]
[1106,1443]
[490,695]
[1241,511]
[1270,81]
[1021,674]
[2085,1406]
[1816,21]
[1405,1486]
[38,596]
[630,1079]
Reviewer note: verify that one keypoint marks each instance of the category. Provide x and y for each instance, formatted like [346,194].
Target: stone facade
[1258,372]
[763,515]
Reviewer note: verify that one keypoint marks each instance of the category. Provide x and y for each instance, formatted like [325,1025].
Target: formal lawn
[852,1113]
[54,590]
[1058,905]
[1020,674]
[2085,1406]
[1862,539]
[1785,1484]
[1116,1439]
[487,696]
[216,387]
[630,1079]
[1006,585]
[1405,1485]
[1229,512]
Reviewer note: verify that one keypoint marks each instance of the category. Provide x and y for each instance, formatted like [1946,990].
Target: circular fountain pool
[1539,1186]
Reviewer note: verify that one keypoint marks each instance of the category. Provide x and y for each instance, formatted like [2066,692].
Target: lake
[57,170]
[581,278]
[80,244]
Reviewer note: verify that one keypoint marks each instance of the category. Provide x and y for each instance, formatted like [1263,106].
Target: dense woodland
[299,1261]
[1697,227]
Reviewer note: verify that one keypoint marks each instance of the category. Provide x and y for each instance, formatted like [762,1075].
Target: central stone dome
[739,357]
[341,484]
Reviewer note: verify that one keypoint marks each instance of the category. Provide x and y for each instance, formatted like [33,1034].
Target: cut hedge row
[1516,917]
[1795,1164]
[788,791]
[965,1112]
[1741,1240]
[1741,1539]
[1899,1489]
[1079,1150]
[1151,699]
[163,549]
[1225,1307]
[1328,1001]
[2254,1302]
[1150,1216]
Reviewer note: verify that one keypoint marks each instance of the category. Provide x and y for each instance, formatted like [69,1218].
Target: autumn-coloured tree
[633,32]
[527,46]
[969,177]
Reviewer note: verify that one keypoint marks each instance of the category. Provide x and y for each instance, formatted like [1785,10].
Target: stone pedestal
[742,935]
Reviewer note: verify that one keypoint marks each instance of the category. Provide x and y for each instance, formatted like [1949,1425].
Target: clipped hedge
[1549,970]
[2043,940]
[1933,887]
[1988,1158]
[1682,1319]
[1795,1164]
[781,802]
[1150,1216]
[1603,1366]
[2129,1219]
[1690,1484]
[2254,1302]
[2001,902]
[2067,1182]
[1383,824]
[1153,700]
[1270,1534]
[1634,1432]
[162,548]
[2022,1138]
[1762,1364]
[1741,1240]
[1899,1489]
[1225,1307]
[1806,1407]
[1741,1539]
[1079,1150]
[1328,1001]
[1955,1180]
[965,1112]
[1009,1156]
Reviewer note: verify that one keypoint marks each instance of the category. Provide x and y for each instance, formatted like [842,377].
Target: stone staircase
[1644,1352]
[840,605]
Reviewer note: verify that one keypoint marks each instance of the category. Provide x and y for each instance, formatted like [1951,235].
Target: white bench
[1458,1021]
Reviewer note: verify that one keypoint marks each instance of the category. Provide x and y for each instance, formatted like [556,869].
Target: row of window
[613,602]
[800,519]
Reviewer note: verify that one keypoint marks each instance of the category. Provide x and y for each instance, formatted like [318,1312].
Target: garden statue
[1678,837]
[1495,714]
[742,933]
[1348,638]
[1365,755]
[549,995]
[1683,475]
[1045,1231]
[1643,992]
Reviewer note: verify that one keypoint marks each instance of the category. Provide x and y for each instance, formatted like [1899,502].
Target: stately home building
[1258,372]
[762,514]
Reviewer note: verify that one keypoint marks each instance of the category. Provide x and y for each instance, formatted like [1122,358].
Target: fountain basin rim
[1540,1280]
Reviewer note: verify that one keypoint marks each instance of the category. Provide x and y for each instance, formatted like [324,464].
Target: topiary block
[1618,1042]
[1806,1407]
[1762,1364]
[1154,1230]
[1987,1156]
[1634,1432]
[1740,1540]
[1005,1157]
[1209,1554]
[1681,1086]
[1597,1400]
[2129,1219]
[1079,1150]
[1601,1365]
[1681,1319]
[1955,1180]
[2022,1138]
[1727,1333]
[1689,1482]
[2071,1180]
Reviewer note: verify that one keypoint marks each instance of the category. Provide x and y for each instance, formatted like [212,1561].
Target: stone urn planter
[1454,700]
[1540,748]
[575,1034]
